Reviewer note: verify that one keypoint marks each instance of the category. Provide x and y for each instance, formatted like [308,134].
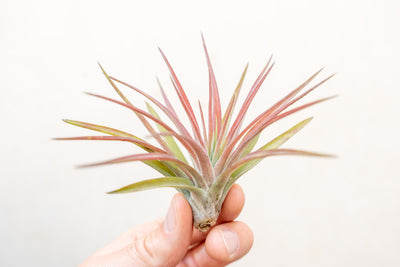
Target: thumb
[167,244]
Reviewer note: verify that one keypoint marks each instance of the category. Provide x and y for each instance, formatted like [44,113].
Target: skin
[173,241]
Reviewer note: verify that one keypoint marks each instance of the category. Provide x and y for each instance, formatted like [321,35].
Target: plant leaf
[205,166]
[203,123]
[114,86]
[284,103]
[240,117]
[166,100]
[102,129]
[253,91]
[260,154]
[274,118]
[214,104]
[184,100]
[250,146]
[258,125]
[143,144]
[294,110]
[169,181]
[134,108]
[282,138]
[229,110]
[184,168]
[170,113]
[310,90]
[273,144]
[190,144]
[140,116]
[172,145]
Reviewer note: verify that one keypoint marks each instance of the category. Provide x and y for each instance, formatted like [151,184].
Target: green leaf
[258,155]
[228,114]
[169,181]
[282,138]
[155,164]
[251,145]
[114,86]
[102,129]
[273,144]
[144,144]
[172,145]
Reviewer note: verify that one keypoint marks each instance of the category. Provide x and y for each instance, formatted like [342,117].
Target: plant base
[204,226]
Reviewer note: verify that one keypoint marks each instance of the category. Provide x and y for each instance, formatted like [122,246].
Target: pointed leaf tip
[306,121]
[202,37]
[68,121]
[102,69]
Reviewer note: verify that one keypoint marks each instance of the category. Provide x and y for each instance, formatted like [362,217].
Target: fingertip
[229,242]
[237,192]
[233,204]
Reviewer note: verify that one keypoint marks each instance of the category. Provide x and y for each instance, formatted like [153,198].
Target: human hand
[174,241]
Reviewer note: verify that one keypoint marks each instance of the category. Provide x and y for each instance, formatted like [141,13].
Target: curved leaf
[169,181]
[273,144]
[184,100]
[214,104]
[115,138]
[176,165]
[228,113]
[170,142]
[157,165]
[168,110]
[102,129]
[260,154]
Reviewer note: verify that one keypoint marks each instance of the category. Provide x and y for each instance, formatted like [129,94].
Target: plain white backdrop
[303,211]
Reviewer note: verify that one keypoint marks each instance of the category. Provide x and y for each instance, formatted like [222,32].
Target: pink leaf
[184,100]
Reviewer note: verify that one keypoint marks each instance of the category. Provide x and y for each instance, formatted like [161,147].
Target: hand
[175,242]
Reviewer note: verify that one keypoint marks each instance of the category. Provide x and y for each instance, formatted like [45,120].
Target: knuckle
[141,254]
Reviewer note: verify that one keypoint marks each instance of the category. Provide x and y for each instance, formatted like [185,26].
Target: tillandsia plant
[205,163]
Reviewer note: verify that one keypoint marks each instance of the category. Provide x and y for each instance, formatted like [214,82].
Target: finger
[129,236]
[232,205]
[230,210]
[224,244]
[165,246]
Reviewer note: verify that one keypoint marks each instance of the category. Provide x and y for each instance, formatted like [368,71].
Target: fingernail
[231,241]
[170,219]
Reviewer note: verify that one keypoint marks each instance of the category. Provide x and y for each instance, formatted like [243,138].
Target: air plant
[205,163]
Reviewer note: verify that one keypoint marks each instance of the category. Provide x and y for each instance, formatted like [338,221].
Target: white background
[303,211]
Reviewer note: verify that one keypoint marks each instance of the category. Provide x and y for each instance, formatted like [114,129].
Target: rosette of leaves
[204,160]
